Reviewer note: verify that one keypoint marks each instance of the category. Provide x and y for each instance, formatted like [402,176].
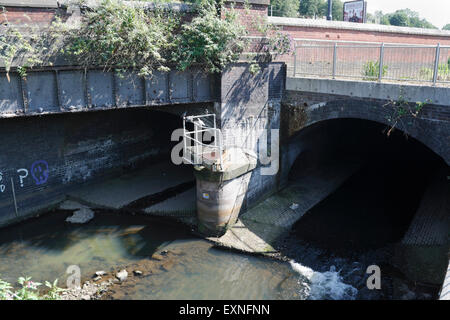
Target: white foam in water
[325,285]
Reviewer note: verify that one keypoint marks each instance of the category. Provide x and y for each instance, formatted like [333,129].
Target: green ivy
[209,41]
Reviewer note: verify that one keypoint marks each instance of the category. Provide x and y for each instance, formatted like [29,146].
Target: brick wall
[363,36]
[250,16]
[29,16]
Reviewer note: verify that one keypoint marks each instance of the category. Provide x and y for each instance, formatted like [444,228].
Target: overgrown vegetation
[209,41]
[402,113]
[371,70]
[443,73]
[29,290]
[129,37]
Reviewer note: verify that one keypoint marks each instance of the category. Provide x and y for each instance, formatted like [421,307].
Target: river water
[45,247]
[331,247]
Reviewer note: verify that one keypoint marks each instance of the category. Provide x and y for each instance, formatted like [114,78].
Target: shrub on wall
[118,35]
[209,41]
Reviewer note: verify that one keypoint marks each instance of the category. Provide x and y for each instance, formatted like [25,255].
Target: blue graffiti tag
[39,171]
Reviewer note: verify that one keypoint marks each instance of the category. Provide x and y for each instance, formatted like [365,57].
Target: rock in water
[122,275]
[100,273]
[82,215]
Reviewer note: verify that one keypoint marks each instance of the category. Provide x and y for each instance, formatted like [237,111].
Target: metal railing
[195,151]
[372,62]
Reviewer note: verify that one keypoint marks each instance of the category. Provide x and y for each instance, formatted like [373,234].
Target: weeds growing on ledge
[126,36]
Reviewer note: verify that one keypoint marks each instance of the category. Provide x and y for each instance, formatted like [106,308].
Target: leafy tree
[403,17]
[446,27]
[381,18]
[310,8]
[285,8]
[399,19]
[336,9]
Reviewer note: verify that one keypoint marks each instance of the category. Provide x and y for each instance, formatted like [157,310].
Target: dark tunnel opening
[375,206]
[366,219]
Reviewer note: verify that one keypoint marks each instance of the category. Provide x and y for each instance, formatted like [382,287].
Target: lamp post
[330,10]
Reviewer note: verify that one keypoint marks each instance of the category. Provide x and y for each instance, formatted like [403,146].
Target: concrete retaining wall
[250,107]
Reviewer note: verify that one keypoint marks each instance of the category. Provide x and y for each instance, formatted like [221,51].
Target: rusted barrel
[219,204]
[220,195]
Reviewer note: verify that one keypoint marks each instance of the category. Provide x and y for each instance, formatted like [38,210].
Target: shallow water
[44,247]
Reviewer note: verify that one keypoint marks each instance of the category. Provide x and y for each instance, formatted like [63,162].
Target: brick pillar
[29,12]
[250,12]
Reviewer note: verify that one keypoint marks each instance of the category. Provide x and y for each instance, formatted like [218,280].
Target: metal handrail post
[184,139]
[295,59]
[334,60]
[436,63]
[197,145]
[380,64]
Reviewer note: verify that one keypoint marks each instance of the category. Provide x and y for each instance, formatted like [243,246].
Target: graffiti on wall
[39,172]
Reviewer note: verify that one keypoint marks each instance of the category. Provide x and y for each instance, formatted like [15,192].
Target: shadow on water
[44,247]
[52,233]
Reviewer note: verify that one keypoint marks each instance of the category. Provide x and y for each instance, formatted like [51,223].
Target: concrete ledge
[343,25]
[230,173]
[181,7]
[370,89]
[30,3]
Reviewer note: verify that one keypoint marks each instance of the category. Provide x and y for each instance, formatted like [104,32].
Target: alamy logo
[74,278]
[374,280]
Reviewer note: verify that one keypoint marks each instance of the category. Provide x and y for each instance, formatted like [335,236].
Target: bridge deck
[70,89]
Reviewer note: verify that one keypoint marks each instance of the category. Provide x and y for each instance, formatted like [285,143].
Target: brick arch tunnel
[94,148]
[425,128]
[397,195]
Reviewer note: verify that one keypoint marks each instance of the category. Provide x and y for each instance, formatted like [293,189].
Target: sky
[435,11]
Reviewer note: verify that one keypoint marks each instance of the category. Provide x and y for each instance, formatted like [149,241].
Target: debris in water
[122,275]
[82,215]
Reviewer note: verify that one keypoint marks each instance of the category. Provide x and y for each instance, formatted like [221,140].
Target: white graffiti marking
[22,176]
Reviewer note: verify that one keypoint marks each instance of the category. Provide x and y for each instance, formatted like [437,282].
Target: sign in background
[355,11]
